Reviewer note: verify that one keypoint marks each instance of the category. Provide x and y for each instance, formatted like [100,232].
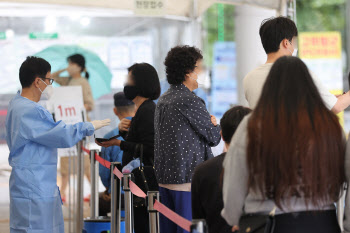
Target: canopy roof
[173,8]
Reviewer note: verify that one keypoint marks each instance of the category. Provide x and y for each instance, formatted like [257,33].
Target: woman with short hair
[142,88]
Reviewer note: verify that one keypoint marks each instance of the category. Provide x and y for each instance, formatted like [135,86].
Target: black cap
[120,100]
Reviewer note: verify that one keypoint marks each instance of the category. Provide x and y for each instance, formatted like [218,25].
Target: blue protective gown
[33,138]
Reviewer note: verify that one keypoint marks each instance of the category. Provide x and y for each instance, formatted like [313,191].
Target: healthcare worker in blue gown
[33,138]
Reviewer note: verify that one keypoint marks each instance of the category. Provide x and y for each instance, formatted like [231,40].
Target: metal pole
[75,160]
[199,226]
[80,192]
[153,214]
[115,199]
[128,200]
[69,193]
[94,185]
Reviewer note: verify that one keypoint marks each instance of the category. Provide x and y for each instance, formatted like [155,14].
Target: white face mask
[200,79]
[295,52]
[47,93]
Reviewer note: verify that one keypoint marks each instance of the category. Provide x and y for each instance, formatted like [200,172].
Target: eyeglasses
[51,80]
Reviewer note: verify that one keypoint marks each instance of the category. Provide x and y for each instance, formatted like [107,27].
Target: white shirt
[254,81]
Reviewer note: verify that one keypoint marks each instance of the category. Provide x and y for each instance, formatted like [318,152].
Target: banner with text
[322,53]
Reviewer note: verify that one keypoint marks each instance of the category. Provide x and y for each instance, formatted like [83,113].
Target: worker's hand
[124,125]
[213,120]
[113,142]
[235,229]
[342,94]
[99,124]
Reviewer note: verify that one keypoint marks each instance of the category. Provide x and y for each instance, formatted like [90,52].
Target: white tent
[178,22]
[172,8]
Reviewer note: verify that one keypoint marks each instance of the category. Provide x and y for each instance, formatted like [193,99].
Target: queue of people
[286,159]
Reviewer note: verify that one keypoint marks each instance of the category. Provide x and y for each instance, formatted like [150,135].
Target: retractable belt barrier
[171,215]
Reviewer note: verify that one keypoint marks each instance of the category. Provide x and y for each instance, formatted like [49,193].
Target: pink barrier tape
[118,173]
[3,112]
[171,215]
[102,161]
[136,190]
[85,150]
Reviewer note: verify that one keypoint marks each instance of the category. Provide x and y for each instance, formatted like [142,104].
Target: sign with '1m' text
[68,106]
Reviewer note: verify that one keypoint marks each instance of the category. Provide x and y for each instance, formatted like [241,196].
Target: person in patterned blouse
[184,133]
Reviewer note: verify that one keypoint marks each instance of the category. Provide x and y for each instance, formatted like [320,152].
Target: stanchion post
[75,187]
[115,199]
[94,184]
[199,226]
[69,193]
[153,214]
[128,199]
[80,192]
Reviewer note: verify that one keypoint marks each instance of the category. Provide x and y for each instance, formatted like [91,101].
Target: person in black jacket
[142,88]
[206,188]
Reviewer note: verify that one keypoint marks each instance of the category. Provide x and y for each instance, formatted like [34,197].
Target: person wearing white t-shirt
[279,38]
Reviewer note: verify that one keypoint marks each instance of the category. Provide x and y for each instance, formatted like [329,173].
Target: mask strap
[292,46]
[194,78]
[39,87]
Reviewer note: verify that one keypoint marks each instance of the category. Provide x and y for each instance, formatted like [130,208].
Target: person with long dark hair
[142,87]
[287,156]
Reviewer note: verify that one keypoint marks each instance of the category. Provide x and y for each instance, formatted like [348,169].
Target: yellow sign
[315,45]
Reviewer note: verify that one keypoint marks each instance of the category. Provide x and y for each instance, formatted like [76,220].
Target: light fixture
[50,23]
[9,33]
[74,17]
[85,21]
